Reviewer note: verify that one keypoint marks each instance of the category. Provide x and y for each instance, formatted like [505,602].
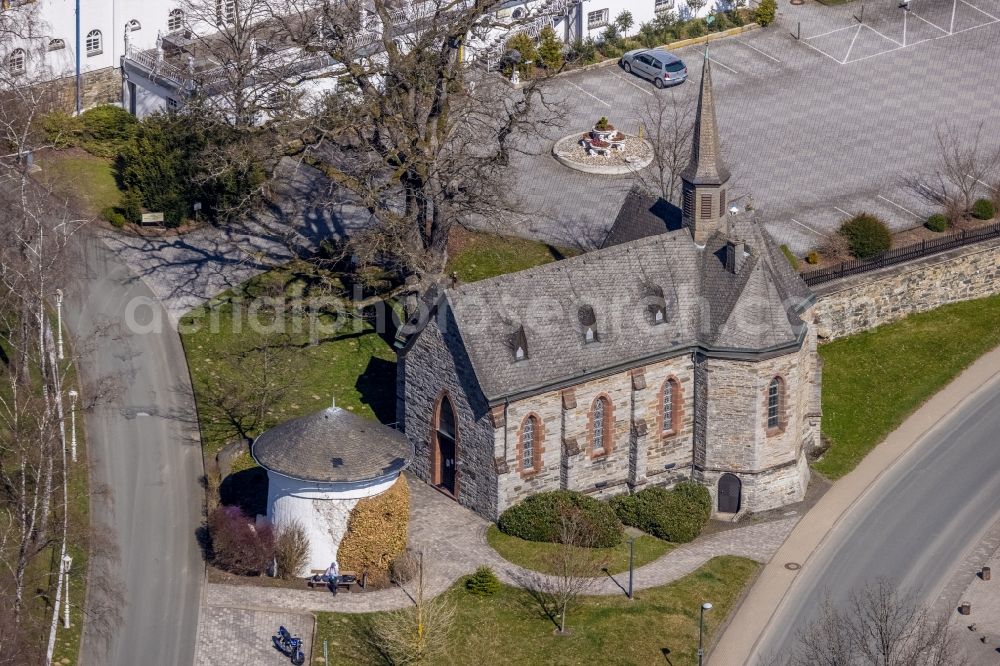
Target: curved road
[912,526]
[145,455]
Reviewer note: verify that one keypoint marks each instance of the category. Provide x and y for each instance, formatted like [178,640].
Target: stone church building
[677,351]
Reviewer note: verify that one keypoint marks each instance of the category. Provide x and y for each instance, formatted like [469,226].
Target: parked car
[660,66]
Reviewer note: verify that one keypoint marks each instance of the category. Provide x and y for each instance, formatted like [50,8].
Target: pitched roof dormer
[588,320]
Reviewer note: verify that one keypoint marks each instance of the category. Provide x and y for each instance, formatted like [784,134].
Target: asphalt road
[912,526]
[145,468]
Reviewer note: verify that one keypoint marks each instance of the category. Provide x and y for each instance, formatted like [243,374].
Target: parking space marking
[986,185]
[824,34]
[905,210]
[751,46]
[915,15]
[816,48]
[842,211]
[631,83]
[979,10]
[589,94]
[808,228]
[723,66]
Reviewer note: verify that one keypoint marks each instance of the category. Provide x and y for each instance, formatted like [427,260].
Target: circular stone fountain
[603,150]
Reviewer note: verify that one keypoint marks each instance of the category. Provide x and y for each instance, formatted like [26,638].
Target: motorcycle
[290,646]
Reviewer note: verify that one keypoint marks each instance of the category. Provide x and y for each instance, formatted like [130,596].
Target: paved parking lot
[238,637]
[814,129]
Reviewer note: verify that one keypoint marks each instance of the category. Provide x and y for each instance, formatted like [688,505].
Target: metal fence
[903,254]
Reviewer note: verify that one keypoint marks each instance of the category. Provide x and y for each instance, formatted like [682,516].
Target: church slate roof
[333,446]
[641,216]
[751,313]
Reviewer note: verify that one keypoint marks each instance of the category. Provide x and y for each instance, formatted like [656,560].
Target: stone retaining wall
[860,302]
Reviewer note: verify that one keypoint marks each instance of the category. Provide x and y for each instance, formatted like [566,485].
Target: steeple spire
[706,166]
[705,177]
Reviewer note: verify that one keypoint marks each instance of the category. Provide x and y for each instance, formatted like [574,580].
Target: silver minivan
[660,66]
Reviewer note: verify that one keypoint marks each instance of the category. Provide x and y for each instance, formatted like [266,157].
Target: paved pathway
[241,637]
[453,540]
[978,634]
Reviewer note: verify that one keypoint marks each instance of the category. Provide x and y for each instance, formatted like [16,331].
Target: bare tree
[967,166]
[414,137]
[418,634]
[878,626]
[669,124]
[573,568]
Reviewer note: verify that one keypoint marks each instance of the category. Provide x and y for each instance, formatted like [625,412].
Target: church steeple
[705,177]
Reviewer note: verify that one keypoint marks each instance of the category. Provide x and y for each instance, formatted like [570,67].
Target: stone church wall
[437,363]
[860,302]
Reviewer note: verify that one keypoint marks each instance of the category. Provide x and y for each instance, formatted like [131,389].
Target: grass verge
[536,556]
[478,256]
[661,623]
[83,179]
[873,380]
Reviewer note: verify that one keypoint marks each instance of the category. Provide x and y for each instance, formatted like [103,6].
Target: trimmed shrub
[765,13]
[676,515]
[114,216]
[791,257]
[537,518]
[483,583]
[291,551]
[866,235]
[238,546]
[983,209]
[105,129]
[937,222]
[376,534]
[812,257]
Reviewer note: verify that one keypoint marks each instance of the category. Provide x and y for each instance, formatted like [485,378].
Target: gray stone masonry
[436,365]
[858,303]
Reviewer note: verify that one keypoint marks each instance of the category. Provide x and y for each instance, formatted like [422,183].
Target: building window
[172,104]
[133,25]
[601,426]
[598,19]
[529,444]
[722,203]
[661,6]
[225,11]
[775,403]
[175,20]
[671,393]
[518,13]
[56,44]
[688,202]
[94,43]
[17,62]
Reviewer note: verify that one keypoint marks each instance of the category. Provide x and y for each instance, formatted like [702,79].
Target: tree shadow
[246,489]
[537,601]
[377,386]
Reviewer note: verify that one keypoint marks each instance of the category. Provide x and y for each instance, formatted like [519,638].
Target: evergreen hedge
[376,534]
[676,515]
[983,209]
[866,235]
[538,518]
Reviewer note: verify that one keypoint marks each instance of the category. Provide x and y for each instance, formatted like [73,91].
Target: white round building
[319,466]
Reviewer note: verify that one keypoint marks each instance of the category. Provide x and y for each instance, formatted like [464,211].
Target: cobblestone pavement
[242,637]
[981,645]
[453,541]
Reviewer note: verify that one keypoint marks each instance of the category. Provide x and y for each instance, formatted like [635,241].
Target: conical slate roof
[706,166]
[333,446]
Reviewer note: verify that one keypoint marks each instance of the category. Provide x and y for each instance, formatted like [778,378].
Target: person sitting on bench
[332,575]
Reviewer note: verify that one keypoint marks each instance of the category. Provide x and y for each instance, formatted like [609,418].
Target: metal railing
[901,255]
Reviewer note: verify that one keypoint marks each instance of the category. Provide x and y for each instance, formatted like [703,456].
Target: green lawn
[85,180]
[874,380]
[347,360]
[477,256]
[534,555]
[659,627]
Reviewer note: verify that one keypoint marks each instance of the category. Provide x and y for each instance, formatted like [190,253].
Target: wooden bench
[314,581]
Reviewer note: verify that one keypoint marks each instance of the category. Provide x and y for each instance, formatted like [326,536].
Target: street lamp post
[72,421]
[631,565]
[701,631]
[67,562]
[59,343]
